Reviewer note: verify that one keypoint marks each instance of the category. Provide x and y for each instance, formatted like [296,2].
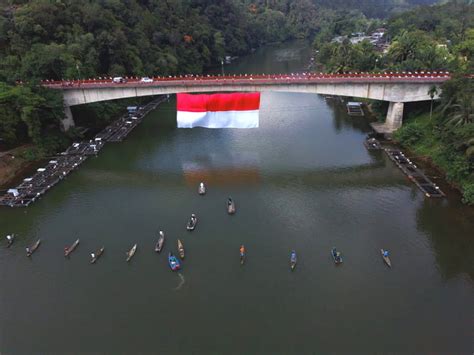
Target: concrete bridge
[396,88]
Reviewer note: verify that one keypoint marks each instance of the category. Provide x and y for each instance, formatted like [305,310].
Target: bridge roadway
[396,88]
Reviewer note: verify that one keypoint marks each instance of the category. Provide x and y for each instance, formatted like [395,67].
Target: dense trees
[428,38]
[42,39]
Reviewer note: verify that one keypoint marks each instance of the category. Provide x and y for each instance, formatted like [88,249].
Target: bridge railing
[253,79]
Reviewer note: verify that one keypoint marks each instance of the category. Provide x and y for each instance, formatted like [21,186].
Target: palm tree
[343,56]
[457,100]
[433,91]
[403,47]
[461,112]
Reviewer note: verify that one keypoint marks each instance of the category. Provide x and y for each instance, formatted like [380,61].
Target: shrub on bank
[447,147]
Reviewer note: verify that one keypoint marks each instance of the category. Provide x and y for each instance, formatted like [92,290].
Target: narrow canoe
[336,256]
[202,189]
[160,242]
[173,262]
[97,255]
[131,252]
[191,223]
[230,206]
[386,258]
[10,241]
[32,249]
[69,250]
[242,254]
[293,260]
[181,249]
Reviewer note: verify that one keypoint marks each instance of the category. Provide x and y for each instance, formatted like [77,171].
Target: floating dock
[372,144]
[427,186]
[34,187]
[85,148]
[59,167]
[355,109]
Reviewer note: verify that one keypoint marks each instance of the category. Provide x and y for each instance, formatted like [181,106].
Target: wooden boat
[131,252]
[180,249]
[242,254]
[293,260]
[69,250]
[10,238]
[336,256]
[32,249]
[97,255]
[202,189]
[173,262]
[192,223]
[385,257]
[230,206]
[160,242]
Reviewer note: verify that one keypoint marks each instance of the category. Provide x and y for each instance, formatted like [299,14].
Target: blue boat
[336,256]
[293,259]
[173,262]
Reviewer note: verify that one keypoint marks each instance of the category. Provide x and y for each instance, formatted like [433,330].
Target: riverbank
[13,164]
[32,188]
[444,151]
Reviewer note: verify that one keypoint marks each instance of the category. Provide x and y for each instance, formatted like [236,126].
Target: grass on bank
[446,146]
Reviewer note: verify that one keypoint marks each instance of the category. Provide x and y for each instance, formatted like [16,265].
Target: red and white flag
[235,110]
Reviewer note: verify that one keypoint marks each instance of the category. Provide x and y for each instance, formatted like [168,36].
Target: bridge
[396,88]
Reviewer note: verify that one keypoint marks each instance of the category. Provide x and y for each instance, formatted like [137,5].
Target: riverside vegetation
[43,39]
[435,38]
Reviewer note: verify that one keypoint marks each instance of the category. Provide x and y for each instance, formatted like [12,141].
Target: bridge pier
[394,115]
[67,122]
[393,121]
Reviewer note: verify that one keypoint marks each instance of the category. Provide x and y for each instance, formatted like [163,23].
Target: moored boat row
[173,262]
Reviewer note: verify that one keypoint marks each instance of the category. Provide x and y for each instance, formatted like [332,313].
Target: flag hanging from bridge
[234,110]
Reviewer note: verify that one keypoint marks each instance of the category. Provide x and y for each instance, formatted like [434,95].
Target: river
[302,181]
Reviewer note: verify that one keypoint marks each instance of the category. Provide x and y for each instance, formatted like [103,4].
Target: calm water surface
[302,181]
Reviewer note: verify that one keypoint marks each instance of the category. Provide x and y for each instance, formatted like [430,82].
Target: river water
[302,181]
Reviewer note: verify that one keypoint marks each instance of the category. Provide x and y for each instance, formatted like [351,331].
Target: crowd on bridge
[261,78]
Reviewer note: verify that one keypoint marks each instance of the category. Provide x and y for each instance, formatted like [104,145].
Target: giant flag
[235,110]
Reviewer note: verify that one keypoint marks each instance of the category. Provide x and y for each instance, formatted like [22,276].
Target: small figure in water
[242,254]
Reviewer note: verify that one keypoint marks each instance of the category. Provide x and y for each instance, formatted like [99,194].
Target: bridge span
[396,88]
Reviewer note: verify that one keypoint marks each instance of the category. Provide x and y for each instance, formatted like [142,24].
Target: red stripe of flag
[218,102]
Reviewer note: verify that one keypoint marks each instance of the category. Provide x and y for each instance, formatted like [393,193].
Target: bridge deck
[272,79]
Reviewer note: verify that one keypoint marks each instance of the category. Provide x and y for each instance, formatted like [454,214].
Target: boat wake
[181,281]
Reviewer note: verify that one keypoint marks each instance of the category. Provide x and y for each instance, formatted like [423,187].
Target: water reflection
[449,226]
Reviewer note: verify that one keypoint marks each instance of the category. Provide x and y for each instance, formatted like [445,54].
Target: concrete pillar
[394,115]
[67,122]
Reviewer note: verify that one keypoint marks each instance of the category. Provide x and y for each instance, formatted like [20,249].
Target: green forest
[67,39]
[436,38]
[45,39]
